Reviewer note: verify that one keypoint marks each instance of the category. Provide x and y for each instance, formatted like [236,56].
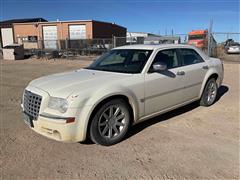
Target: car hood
[65,84]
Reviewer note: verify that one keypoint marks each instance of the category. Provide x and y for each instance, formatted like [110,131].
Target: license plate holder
[28,119]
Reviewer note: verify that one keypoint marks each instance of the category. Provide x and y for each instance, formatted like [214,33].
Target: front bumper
[60,131]
[55,126]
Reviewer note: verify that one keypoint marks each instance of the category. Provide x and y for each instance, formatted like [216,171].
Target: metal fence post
[42,44]
[114,41]
[59,44]
[66,45]
[210,37]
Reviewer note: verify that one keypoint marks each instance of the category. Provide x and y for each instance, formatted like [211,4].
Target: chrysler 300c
[125,86]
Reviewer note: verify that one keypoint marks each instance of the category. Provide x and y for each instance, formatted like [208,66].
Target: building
[7,31]
[139,37]
[162,40]
[149,38]
[51,33]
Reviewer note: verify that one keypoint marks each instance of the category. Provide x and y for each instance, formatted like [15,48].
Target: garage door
[50,37]
[7,36]
[77,31]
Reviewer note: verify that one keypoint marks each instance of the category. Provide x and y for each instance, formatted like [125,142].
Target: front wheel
[110,123]
[209,93]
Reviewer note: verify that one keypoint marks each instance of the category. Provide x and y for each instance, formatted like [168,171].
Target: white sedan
[234,49]
[123,87]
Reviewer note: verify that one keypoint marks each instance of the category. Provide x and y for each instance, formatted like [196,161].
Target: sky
[154,16]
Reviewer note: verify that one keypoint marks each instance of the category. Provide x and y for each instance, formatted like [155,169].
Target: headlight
[59,104]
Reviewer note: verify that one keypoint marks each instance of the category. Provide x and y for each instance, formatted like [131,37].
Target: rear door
[195,69]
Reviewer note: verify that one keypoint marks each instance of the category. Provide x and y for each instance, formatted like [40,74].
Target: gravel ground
[188,143]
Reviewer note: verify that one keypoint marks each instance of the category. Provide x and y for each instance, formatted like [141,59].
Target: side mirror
[159,66]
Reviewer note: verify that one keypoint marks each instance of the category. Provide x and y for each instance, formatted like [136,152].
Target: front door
[164,89]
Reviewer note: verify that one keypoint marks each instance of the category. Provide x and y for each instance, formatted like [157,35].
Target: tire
[209,93]
[110,123]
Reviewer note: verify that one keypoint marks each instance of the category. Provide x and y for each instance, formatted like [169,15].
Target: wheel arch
[208,76]
[130,102]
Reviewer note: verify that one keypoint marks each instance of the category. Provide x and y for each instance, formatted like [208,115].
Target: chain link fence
[74,48]
[65,48]
[216,43]
[224,41]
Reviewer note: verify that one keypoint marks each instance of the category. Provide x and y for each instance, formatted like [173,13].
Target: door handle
[180,73]
[205,67]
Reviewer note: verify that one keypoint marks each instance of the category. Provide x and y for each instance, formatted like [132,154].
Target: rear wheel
[209,93]
[110,123]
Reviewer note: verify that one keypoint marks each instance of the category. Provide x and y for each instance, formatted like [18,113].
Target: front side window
[168,57]
[122,60]
[190,56]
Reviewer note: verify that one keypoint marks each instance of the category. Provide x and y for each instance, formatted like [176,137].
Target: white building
[149,38]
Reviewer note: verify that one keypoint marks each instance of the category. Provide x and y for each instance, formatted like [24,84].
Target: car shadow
[163,117]
[166,116]
[168,73]
[221,91]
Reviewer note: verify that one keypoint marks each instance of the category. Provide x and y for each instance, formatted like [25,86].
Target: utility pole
[210,37]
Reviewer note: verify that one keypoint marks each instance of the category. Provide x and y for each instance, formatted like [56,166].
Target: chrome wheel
[111,122]
[211,92]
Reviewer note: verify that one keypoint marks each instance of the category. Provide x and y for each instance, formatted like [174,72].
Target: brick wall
[107,30]
[94,29]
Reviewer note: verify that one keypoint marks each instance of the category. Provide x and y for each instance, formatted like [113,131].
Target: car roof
[154,47]
[163,46]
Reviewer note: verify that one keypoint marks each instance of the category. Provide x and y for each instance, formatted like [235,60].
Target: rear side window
[190,56]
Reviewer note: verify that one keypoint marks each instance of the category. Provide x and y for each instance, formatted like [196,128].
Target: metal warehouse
[50,33]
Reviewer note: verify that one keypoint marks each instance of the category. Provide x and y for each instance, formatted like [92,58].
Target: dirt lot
[189,143]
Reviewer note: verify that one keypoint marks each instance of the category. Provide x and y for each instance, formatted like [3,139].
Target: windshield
[196,37]
[122,60]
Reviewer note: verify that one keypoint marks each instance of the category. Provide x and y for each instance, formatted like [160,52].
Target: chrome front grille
[31,104]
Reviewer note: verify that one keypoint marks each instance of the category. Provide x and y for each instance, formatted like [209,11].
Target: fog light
[57,135]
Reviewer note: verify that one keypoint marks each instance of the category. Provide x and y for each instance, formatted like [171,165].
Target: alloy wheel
[211,92]
[111,122]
